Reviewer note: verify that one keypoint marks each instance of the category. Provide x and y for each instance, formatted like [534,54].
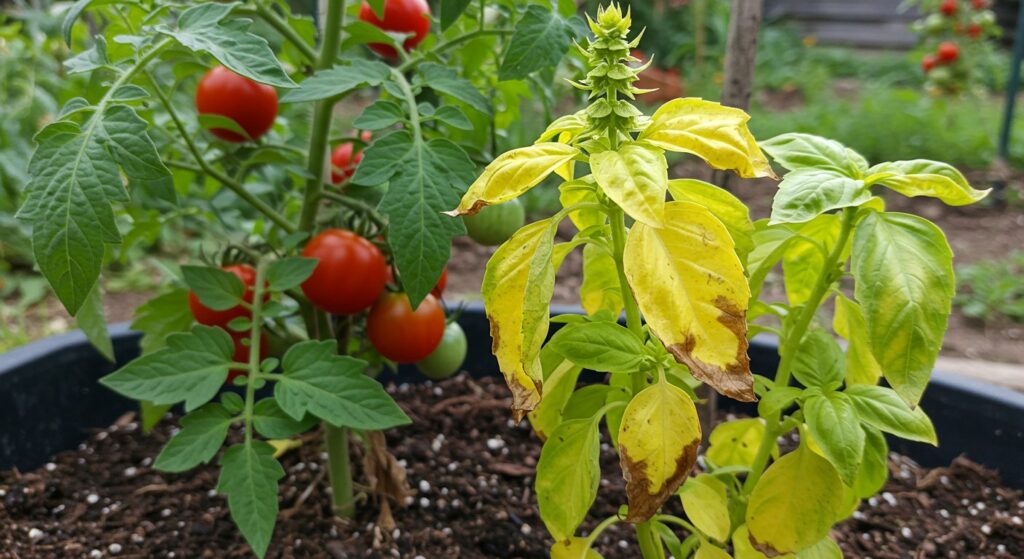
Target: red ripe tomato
[210,317]
[948,52]
[343,164]
[351,273]
[252,105]
[401,334]
[974,30]
[400,16]
[928,62]
[242,353]
[366,136]
[441,283]
[948,7]
[979,4]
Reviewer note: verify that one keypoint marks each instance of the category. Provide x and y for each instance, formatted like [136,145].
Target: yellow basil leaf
[710,551]
[513,173]
[560,377]
[573,548]
[690,286]
[568,170]
[848,322]
[600,289]
[634,176]
[732,212]
[706,503]
[921,177]
[715,133]
[568,124]
[517,288]
[734,443]
[578,191]
[794,504]
[658,441]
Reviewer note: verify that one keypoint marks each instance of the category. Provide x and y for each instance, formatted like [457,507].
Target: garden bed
[471,473]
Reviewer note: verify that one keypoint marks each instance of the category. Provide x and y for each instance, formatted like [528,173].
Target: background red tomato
[350,275]
[400,16]
[441,283]
[948,51]
[242,352]
[343,164]
[209,317]
[402,335]
[252,105]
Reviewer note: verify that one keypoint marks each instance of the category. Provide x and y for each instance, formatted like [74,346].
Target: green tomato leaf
[567,476]
[75,176]
[806,151]
[93,322]
[903,269]
[191,368]
[160,317]
[272,422]
[199,29]
[152,414]
[424,181]
[202,433]
[921,177]
[380,115]
[218,289]
[807,193]
[883,409]
[249,475]
[600,346]
[836,430]
[451,10]
[361,32]
[289,273]
[443,79]
[334,388]
[820,361]
[88,60]
[454,117]
[338,80]
[540,40]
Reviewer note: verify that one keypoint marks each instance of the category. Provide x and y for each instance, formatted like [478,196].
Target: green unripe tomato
[941,75]
[447,359]
[493,225]
[934,23]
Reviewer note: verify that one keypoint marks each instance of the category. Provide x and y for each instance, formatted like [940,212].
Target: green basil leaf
[807,193]
[921,177]
[806,151]
[835,428]
[820,361]
[568,474]
[883,409]
[600,346]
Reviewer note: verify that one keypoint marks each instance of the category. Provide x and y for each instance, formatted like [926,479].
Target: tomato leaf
[568,474]
[160,317]
[75,177]
[249,475]
[201,436]
[451,10]
[199,29]
[380,115]
[423,178]
[806,151]
[192,368]
[903,269]
[338,80]
[272,422]
[807,193]
[599,346]
[443,79]
[453,116]
[835,428]
[333,388]
[218,289]
[92,321]
[539,41]
[289,273]
[882,409]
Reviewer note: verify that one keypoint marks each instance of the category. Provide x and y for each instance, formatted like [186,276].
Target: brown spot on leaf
[735,380]
[524,398]
[472,210]
[764,548]
[642,504]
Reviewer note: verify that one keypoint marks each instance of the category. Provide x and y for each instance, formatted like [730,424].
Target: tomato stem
[340,470]
[281,26]
[254,345]
[791,342]
[618,227]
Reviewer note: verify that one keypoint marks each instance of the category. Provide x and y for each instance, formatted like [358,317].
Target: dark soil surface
[470,471]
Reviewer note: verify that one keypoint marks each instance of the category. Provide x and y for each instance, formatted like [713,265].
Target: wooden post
[740,61]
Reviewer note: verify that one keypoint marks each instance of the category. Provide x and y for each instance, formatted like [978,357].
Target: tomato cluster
[400,16]
[953,30]
[211,317]
[253,106]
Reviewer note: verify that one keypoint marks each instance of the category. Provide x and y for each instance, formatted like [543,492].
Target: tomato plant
[958,36]
[493,225]
[350,273]
[449,355]
[402,334]
[133,156]
[688,274]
